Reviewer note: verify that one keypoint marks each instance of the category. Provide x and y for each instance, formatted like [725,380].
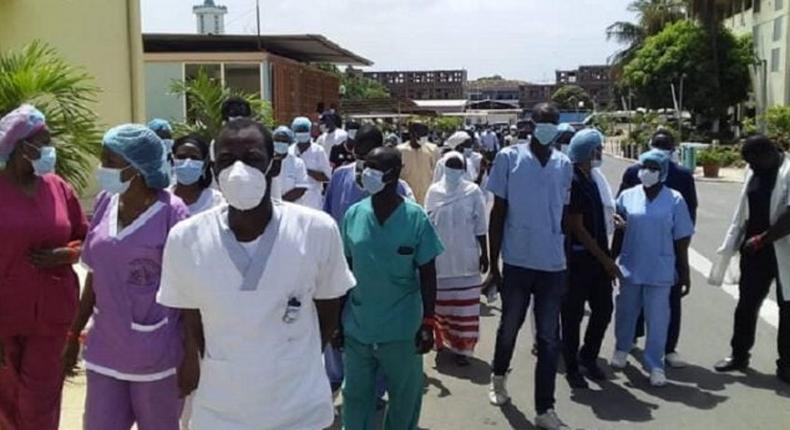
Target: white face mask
[649,177]
[352,134]
[243,186]
[110,180]
[323,128]
[453,176]
[372,181]
[281,148]
[424,140]
[302,137]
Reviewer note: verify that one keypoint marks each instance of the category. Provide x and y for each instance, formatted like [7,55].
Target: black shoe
[576,380]
[783,374]
[730,364]
[461,360]
[593,371]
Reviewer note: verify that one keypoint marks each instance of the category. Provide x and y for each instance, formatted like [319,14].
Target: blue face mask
[545,132]
[189,171]
[453,176]
[281,148]
[467,152]
[45,162]
[110,180]
[302,137]
[372,181]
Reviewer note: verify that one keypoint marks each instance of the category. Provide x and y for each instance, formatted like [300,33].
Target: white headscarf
[443,193]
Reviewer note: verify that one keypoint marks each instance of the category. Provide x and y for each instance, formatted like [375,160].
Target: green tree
[38,75]
[777,123]
[205,96]
[651,17]
[682,50]
[354,85]
[491,78]
[569,96]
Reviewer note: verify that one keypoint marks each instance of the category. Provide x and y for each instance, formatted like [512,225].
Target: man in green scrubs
[388,317]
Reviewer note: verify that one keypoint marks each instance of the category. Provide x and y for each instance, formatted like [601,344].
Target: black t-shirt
[586,200]
[759,193]
[340,155]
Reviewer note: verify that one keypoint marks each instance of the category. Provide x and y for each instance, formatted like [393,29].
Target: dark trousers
[675,314]
[548,288]
[588,284]
[758,272]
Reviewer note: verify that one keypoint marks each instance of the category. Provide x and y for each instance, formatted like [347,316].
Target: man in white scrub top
[331,134]
[289,174]
[264,324]
[315,159]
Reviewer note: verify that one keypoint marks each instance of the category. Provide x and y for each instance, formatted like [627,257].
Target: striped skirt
[457,317]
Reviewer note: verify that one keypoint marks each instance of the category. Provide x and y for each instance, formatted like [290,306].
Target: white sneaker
[675,361]
[497,392]
[550,421]
[658,378]
[619,360]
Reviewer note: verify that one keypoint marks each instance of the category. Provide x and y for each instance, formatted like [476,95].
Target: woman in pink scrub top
[134,346]
[42,226]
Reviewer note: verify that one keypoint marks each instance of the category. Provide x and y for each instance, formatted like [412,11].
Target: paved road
[697,397]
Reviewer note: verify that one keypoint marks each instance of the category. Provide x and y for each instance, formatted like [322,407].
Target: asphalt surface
[696,397]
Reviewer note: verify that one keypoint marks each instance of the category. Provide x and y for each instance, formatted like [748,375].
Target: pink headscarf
[20,124]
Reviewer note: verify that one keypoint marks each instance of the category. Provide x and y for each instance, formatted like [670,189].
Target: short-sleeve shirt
[648,253]
[263,366]
[536,197]
[209,198]
[293,174]
[315,158]
[343,192]
[386,305]
[586,201]
[133,337]
[34,300]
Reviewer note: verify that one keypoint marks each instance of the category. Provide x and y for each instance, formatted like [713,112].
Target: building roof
[434,104]
[498,85]
[378,105]
[311,48]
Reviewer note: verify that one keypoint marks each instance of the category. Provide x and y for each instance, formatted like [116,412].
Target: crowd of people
[244,282]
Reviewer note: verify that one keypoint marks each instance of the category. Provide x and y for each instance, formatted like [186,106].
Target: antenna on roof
[258,21]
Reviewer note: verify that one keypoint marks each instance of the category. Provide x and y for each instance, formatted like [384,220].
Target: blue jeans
[333,363]
[519,284]
[654,302]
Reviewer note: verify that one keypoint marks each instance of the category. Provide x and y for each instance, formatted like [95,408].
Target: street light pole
[258,22]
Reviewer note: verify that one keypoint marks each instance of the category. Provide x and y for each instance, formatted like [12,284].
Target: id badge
[292,311]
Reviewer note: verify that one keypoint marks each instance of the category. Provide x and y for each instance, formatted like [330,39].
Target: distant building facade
[504,91]
[423,85]
[532,94]
[595,80]
[210,17]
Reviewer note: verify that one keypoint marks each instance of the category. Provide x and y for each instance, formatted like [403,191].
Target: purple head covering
[20,124]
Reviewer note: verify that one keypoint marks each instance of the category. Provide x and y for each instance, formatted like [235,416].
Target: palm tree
[652,17]
[38,75]
[711,14]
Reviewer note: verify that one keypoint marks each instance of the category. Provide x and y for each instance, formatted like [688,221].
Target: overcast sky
[518,39]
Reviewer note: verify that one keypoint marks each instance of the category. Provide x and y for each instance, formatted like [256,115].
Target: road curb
[697,178]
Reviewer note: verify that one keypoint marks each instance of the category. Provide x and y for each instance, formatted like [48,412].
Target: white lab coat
[315,158]
[780,200]
[263,367]
[293,174]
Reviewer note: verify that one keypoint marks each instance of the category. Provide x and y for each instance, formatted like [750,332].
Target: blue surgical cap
[284,132]
[301,125]
[584,144]
[143,149]
[659,157]
[158,124]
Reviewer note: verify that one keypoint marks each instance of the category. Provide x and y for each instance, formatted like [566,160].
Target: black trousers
[758,272]
[675,315]
[588,283]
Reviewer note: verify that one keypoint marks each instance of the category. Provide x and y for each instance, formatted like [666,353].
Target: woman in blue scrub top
[653,256]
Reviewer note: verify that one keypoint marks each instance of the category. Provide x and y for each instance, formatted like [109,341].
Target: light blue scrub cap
[584,144]
[659,157]
[284,131]
[143,149]
[158,124]
[565,128]
[301,125]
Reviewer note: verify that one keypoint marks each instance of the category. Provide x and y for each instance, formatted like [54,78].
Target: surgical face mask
[189,171]
[302,137]
[672,155]
[546,132]
[565,149]
[45,162]
[281,148]
[372,181]
[352,134]
[423,140]
[323,128]
[597,163]
[110,180]
[649,177]
[467,152]
[243,186]
[453,176]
